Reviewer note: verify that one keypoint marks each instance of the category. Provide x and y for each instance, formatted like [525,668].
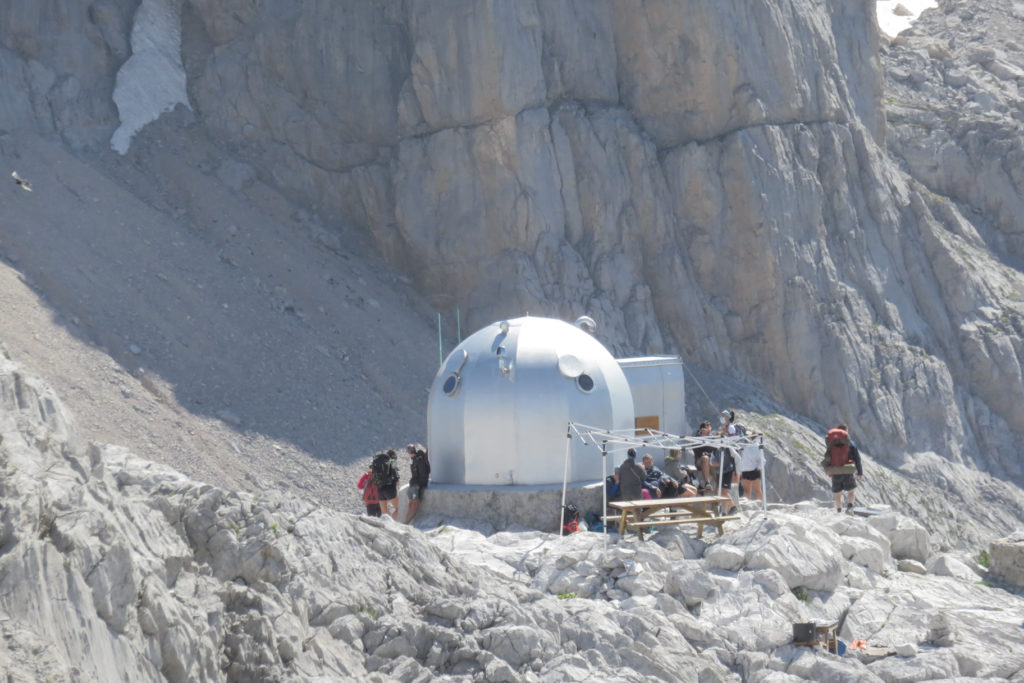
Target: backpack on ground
[383,468]
[571,523]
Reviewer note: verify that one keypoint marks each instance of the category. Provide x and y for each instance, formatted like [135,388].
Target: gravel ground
[183,309]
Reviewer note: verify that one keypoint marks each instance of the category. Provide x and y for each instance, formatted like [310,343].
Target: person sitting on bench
[660,485]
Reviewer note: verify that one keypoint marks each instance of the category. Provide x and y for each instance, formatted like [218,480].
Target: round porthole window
[585,383]
[451,384]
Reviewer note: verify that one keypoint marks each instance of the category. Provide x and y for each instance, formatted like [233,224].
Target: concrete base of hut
[498,508]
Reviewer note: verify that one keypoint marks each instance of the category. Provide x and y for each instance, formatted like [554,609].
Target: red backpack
[838,447]
[370,495]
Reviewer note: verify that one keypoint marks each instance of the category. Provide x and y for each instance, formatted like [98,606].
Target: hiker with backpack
[369,490]
[384,469]
[419,466]
[840,453]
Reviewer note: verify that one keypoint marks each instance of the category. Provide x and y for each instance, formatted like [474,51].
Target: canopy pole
[565,476]
[721,477]
[764,475]
[604,491]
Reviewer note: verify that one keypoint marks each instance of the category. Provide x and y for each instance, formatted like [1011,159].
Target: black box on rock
[804,633]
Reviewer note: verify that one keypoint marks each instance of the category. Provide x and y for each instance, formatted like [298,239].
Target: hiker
[839,451]
[631,477]
[725,461]
[702,456]
[611,484]
[847,430]
[727,418]
[673,464]
[681,474]
[751,462]
[420,468]
[369,490]
[386,477]
[662,485]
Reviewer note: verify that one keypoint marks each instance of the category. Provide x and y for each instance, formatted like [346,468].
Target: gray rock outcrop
[1007,559]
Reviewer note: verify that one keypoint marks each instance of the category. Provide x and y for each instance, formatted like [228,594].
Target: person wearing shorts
[751,462]
[840,450]
[702,456]
[725,460]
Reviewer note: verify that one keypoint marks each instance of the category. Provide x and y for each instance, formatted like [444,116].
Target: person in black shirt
[420,468]
[702,456]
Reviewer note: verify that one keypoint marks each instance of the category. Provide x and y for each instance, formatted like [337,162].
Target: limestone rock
[912,566]
[908,539]
[806,556]
[1007,558]
[116,564]
[949,565]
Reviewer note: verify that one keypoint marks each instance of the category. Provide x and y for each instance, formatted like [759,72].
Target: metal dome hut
[500,407]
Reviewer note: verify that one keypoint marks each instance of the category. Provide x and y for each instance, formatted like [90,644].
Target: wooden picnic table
[655,512]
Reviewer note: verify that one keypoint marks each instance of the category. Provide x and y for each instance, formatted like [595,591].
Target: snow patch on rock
[152,81]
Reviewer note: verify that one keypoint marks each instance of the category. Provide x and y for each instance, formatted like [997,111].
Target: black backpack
[383,470]
[420,468]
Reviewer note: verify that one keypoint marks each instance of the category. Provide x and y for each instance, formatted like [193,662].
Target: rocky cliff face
[706,178]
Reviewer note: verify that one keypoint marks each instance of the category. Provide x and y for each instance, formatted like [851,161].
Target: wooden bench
[639,515]
[716,522]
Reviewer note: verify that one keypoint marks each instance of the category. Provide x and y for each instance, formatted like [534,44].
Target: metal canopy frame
[622,440]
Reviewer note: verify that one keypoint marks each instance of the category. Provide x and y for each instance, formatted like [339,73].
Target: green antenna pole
[440,349]
[458,325]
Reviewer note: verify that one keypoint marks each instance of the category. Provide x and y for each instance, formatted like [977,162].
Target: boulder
[947,564]
[908,538]
[1007,559]
[912,566]
[805,554]
[690,582]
